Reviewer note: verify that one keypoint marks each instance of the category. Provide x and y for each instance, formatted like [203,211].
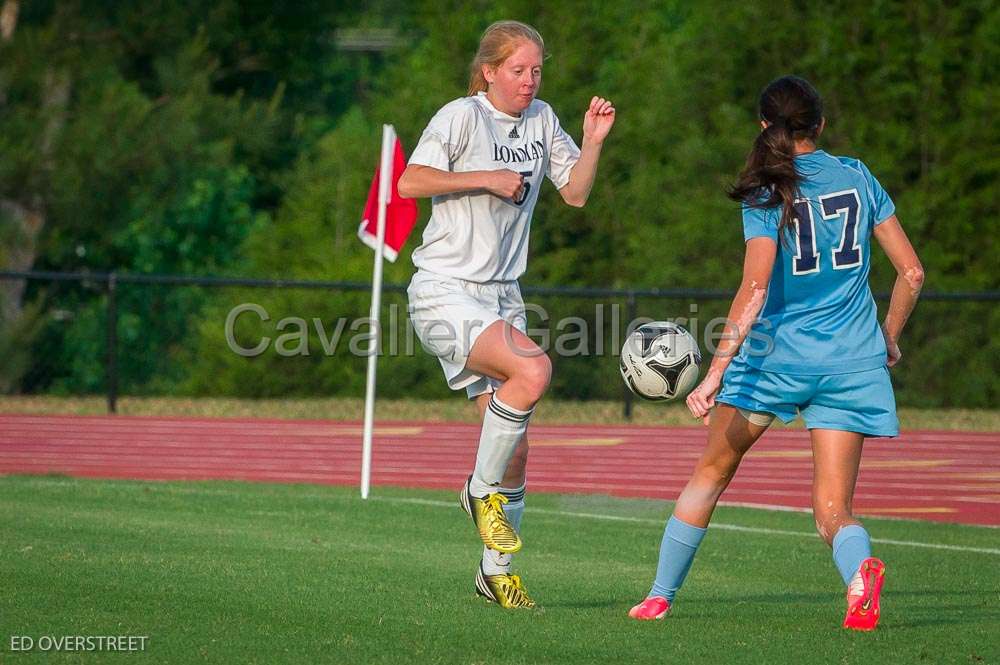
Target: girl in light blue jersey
[808,220]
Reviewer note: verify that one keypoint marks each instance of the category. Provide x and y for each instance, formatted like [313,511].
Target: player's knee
[720,469]
[535,375]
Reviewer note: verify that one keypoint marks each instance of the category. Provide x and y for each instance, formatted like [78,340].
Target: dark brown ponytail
[794,111]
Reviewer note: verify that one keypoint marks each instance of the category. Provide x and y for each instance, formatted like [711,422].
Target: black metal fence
[112,333]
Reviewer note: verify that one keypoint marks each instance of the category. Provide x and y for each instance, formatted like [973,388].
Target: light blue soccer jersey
[819,316]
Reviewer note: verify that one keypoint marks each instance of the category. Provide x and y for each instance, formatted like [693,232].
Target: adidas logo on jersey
[513,134]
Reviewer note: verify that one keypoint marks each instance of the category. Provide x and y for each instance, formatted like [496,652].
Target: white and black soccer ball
[660,361]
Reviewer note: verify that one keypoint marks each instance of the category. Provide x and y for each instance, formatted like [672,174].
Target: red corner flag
[400,214]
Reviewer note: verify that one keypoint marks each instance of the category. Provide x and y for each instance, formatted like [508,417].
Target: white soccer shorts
[449,314]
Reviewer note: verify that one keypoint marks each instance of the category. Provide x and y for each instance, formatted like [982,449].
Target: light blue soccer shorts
[860,402]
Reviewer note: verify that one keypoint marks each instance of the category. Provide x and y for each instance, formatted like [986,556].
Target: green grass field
[256,573]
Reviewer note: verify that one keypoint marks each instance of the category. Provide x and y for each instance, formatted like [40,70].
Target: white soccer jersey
[476,235]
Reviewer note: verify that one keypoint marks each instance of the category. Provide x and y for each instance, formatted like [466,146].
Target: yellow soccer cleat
[487,514]
[504,590]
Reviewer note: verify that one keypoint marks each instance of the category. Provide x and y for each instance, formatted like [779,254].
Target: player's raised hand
[504,183]
[701,400]
[598,119]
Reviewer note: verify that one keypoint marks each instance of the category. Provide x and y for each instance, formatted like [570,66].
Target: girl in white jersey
[482,159]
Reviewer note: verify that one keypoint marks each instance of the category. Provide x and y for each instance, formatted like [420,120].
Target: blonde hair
[497,44]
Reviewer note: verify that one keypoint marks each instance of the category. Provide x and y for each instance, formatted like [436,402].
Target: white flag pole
[384,195]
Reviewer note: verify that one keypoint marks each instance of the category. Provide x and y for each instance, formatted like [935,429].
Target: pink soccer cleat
[863,595]
[654,607]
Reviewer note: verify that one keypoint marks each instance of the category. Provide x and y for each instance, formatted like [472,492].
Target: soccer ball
[660,361]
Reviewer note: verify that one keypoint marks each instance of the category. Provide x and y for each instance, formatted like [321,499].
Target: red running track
[944,476]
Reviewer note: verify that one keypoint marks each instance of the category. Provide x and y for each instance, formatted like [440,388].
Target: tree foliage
[227,138]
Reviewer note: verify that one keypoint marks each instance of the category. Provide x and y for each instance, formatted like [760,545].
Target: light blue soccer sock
[496,563]
[851,546]
[680,544]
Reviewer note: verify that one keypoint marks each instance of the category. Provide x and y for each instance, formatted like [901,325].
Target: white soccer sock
[856,587]
[503,427]
[514,508]
[498,563]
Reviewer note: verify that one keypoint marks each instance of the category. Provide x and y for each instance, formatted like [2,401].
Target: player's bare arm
[420,181]
[747,303]
[597,122]
[909,281]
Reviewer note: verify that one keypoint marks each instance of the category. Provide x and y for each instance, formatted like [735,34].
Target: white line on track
[715,525]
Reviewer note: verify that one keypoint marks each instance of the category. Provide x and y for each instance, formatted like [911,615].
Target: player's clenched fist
[504,183]
[701,400]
